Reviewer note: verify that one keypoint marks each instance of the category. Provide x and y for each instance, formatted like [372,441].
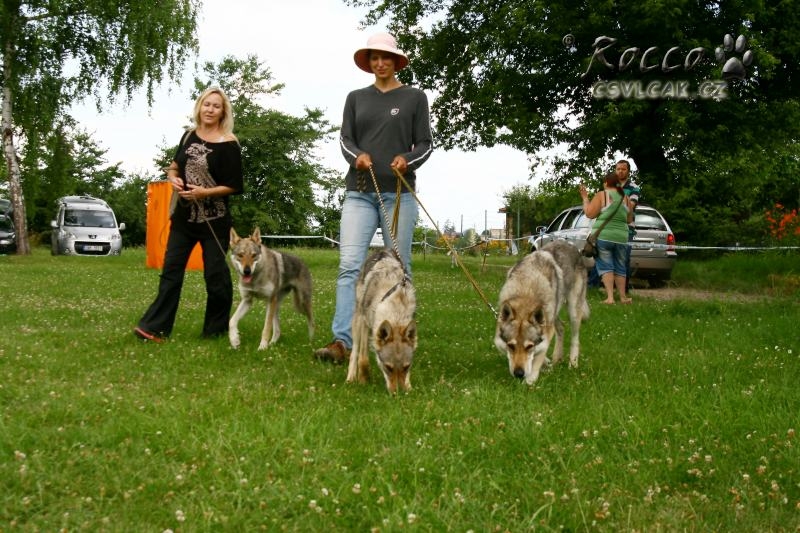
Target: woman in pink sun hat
[385,126]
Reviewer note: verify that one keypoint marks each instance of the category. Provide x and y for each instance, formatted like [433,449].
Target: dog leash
[213,233]
[401,179]
[395,215]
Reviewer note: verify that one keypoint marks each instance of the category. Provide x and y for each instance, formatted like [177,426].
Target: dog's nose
[247,271]
[519,373]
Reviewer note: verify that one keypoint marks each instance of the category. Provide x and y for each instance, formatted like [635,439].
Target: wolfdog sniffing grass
[530,301]
[268,275]
[384,315]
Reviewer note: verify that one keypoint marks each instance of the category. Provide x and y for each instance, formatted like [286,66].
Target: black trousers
[160,316]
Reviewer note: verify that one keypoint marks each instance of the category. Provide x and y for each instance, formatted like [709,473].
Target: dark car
[8,237]
[653,254]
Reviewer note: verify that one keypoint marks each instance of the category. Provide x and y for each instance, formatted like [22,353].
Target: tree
[129,199]
[521,72]
[520,208]
[69,162]
[59,51]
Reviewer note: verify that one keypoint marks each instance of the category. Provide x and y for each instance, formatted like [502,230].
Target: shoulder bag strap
[596,232]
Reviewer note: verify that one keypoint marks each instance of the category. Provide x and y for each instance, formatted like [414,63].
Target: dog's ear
[411,331]
[384,333]
[506,312]
[234,237]
[256,236]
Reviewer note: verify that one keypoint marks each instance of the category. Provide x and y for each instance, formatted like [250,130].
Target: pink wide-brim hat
[384,42]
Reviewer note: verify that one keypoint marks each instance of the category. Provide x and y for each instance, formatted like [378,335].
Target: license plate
[93,248]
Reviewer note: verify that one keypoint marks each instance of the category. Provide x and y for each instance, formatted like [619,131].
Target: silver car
[653,252]
[85,226]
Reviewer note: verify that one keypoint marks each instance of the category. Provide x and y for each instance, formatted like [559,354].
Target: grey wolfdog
[530,301]
[384,318]
[268,275]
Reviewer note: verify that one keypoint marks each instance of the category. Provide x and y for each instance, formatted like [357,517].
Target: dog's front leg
[558,351]
[575,343]
[539,359]
[352,366]
[578,310]
[276,323]
[272,304]
[363,353]
[233,323]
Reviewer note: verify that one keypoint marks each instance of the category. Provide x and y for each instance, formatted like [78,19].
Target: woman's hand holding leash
[363,161]
[173,177]
[193,192]
[400,164]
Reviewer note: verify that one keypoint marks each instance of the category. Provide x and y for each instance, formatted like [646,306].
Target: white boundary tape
[636,245]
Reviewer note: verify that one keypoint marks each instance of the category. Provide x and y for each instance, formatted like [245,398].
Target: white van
[85,226]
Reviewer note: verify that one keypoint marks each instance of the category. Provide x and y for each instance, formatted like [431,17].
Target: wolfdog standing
[530,301]
[384,315]
[268,275]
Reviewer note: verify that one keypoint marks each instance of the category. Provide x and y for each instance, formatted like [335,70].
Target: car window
[583,222]
[88,218]
[556,224]
[569,220]
[103,219]
[6,224]
[649,219]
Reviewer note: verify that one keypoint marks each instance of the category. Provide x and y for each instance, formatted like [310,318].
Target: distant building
[497,233]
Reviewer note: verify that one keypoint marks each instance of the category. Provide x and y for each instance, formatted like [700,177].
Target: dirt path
[672,293]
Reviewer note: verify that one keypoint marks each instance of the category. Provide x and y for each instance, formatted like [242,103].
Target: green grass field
[682,416]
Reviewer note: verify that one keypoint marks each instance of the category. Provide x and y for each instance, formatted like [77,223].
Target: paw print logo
[734,68]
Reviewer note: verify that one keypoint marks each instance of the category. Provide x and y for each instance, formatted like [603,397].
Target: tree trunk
[14,177]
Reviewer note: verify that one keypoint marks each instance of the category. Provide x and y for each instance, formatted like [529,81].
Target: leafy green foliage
[62,51]
[520,205]
[503,74]
[128,199]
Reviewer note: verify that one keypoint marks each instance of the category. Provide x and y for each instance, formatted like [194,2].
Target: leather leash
[401,179]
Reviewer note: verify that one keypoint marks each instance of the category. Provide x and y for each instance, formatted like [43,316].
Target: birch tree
[57,52]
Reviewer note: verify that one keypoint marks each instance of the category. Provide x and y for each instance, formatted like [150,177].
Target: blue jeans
[361,215]
[594,277]
[611,258]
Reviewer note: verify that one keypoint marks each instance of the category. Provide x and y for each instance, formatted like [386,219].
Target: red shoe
[147,336]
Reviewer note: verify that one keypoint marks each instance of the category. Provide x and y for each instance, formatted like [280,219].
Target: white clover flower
[179,516]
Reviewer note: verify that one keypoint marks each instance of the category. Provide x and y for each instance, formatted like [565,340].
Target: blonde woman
[205,171]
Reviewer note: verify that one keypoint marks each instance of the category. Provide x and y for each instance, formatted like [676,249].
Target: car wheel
[657,282]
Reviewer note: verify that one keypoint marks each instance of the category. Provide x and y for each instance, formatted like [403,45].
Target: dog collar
[400,283]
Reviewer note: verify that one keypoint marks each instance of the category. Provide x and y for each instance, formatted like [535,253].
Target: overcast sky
[308,45]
